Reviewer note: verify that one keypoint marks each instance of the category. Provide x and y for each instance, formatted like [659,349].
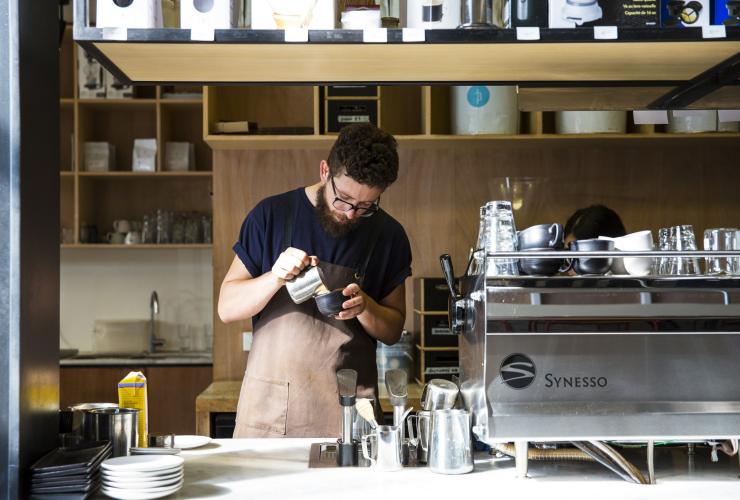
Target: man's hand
[355,305]
[291,262]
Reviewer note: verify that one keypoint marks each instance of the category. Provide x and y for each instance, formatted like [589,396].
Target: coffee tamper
[396,383]
[346,447]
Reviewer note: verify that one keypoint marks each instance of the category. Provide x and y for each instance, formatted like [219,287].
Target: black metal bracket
[725,73]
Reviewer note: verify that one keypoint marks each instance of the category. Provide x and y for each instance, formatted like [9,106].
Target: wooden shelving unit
[99,198]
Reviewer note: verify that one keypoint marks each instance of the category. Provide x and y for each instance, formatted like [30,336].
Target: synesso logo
[518,371]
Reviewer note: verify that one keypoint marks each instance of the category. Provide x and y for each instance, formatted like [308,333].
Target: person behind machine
[290,385]
[592,222]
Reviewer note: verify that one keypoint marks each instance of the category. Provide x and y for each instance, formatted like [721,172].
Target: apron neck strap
[376,227]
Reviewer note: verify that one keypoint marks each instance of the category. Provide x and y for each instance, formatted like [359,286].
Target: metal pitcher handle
[413,436]
[365,452]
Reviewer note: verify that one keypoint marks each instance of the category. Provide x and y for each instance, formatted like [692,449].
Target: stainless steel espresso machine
[598,358]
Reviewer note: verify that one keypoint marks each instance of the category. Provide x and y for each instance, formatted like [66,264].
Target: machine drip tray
[324,455]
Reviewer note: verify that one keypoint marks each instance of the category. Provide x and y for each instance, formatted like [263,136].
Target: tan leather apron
[290,386]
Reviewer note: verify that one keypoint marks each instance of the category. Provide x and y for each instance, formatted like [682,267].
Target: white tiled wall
[116,284]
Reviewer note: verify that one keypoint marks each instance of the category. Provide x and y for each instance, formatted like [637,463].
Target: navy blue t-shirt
[261,242]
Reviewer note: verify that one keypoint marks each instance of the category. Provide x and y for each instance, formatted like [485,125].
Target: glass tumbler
[683,239]
[718,240]
[500,237]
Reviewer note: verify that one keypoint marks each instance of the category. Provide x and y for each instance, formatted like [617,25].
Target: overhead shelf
[641,57]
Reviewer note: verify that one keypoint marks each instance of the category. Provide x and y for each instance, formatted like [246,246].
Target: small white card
[606,33]
[115,34]
[375,35]
[713,31]
[202,34]
[296,35]
[527,33]
[411,35]
[728,115]
[650,117]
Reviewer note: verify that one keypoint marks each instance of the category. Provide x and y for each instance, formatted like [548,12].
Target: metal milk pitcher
[306,285]
[388,454]
[439,394]
[450,447]
[419,427]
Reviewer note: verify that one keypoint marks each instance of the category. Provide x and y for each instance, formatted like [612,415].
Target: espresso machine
[597,358]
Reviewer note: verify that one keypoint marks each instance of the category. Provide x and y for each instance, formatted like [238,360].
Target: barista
[592,222]
[290,387]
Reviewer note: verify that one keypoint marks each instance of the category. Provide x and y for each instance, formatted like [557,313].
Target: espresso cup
[132,238]
[116,238]
[122,226]
[540,237]
[635,266]
[591,265]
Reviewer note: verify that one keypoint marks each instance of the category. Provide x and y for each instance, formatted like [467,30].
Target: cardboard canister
[692,121]
[481,109]
[591,122]
[433,14]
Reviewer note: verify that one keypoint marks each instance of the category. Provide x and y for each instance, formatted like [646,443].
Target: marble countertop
[159,358]
[278,469]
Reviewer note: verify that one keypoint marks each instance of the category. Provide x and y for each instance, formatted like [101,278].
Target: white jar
[433,14]
[361,19]
[482,109]
[591,122]
[692,121]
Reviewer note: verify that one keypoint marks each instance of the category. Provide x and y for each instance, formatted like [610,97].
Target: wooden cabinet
[171,391]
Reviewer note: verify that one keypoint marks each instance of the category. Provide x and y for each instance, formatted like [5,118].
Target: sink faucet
[153,311]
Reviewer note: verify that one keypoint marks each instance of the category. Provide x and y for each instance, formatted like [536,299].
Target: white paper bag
[99,157]
[145,155]
[213,14]
[129,14]
[179,156]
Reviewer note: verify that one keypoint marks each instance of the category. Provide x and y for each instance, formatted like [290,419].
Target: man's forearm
[242,299]
[383,323]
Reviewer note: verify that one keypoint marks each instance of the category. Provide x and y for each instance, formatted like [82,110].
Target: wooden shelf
[251,142]
[181,102]
[145,174]
[447,56]
[116,103]
[171,246]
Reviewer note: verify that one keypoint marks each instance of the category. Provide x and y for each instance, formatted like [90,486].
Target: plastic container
[397,356]
[692,122]
[481,109]
[591,122]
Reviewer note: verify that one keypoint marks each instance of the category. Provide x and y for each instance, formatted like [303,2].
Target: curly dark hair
[365,153]
[594,221]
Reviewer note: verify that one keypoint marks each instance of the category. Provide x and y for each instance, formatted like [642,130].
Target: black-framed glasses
[345,206]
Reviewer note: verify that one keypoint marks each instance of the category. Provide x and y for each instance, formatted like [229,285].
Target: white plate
[144,476]
[142,463]
[139,495]
[188,442]
[141,484]
[155,451]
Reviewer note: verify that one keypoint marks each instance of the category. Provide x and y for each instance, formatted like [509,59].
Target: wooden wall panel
[439,192]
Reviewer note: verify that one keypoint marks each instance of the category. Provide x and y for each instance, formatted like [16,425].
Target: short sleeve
[399,267]
[250,247]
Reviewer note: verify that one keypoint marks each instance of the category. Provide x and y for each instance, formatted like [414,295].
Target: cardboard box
[529,13]
[223,14]
[585,13]
[129,14]
[686,13]
[281,14]
[726,12]
[90,76]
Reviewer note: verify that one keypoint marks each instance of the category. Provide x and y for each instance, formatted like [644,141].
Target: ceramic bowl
[591,265]
[330,304]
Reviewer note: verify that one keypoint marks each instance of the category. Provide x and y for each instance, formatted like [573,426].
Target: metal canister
[117,425]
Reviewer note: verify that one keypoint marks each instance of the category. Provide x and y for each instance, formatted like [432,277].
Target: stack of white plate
[142,477]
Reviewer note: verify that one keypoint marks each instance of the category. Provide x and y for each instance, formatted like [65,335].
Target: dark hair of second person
[592,222]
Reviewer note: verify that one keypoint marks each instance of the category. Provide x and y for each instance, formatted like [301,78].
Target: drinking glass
[500,234]
[717,240]
[683,239]
[178,229]
[192,229]
[207,223]
[664,245]
[163,226]
[148,229]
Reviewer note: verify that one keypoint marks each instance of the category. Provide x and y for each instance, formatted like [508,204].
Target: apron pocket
[266,404]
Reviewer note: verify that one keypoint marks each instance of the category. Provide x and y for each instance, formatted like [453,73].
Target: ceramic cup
[116,238]
[633,242]
[591,265]
[122,226]
[132,238]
